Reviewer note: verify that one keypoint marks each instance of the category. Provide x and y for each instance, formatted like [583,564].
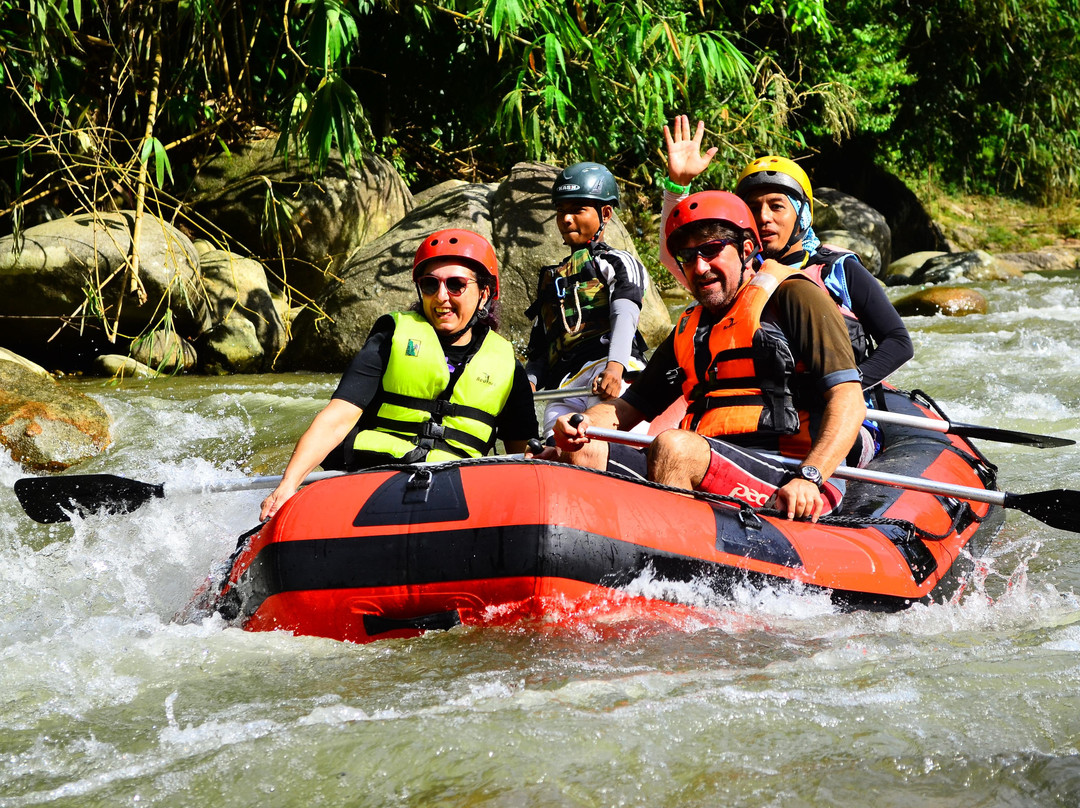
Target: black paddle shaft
[54,499]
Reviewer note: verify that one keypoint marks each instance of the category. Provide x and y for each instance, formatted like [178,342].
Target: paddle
[54,499]
[899,419]
[1057,508]
[969,430]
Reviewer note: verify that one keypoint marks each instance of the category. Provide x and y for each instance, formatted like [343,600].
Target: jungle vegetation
[102,101]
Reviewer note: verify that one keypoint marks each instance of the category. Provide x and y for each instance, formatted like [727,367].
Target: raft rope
[749,516]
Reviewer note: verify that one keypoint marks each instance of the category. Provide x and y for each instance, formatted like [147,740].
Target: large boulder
[516,215]
[850,167]
[975,265]
[951,301]
[45,426]
[858,244]
[835,210]
[1046,259]
[901,270]
[377,278]
[257,199]
[69,276]
[248,331]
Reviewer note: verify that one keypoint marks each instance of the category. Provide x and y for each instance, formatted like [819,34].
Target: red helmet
[713,206]
[464,244]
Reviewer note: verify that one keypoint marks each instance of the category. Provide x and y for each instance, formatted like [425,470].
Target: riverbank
[998,224]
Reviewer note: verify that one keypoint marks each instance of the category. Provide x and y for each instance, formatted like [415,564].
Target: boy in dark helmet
[585,328]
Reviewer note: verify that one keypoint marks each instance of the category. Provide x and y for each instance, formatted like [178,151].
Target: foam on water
[766,696]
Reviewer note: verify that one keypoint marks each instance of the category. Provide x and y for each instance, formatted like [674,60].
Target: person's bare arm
[840,423]
[327,430]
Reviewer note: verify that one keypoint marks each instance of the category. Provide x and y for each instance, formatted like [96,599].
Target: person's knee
[592,455]
[676,443]
[678,456]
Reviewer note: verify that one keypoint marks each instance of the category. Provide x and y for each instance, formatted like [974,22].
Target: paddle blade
[1009,436]
[1059,508]
[51,499]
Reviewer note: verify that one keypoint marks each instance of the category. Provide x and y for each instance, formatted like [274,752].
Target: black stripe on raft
[511,551]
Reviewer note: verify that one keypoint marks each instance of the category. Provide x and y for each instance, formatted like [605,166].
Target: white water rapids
[773,699]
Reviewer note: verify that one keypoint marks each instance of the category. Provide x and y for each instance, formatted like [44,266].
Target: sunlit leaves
[586,69]
[154,148]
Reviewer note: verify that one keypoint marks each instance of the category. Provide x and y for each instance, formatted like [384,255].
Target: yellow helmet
[777,173]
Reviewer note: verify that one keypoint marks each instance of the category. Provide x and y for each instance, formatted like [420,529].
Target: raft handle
[418,486]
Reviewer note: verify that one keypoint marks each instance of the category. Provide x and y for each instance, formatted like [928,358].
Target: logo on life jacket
[413,348]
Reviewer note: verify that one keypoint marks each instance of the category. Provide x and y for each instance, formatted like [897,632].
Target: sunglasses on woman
[708,251]
[455,285]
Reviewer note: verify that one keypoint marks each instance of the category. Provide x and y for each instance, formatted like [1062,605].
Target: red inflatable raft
[395,551]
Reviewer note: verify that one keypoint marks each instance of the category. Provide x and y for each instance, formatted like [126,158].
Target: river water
[769,698]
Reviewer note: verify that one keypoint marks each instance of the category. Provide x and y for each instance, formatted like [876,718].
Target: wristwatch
[811,474]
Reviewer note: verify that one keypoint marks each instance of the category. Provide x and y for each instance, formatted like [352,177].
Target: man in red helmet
[764,363]
[432,383]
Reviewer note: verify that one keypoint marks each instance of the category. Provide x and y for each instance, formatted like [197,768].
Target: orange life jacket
[740,377]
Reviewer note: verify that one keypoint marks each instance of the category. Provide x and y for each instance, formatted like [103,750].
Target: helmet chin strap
[599,233]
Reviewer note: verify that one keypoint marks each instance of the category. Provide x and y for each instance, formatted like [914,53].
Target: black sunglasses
[708,251]
[455,285]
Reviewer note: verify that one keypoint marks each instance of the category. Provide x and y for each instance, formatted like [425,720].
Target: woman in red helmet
[433,383]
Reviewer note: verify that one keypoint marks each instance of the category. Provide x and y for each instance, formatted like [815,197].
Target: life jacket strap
[439,408]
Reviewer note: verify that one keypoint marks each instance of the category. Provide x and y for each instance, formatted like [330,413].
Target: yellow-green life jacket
[418,418]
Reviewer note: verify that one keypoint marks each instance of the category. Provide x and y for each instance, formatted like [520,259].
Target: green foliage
[987,92]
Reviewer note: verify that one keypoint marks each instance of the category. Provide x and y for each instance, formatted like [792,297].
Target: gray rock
[901,270]
[426,195]
[165,351]
[46,426]
[122,367]
[976,265]
[853,242]
[835,210]
[232,346]
[237,289]
[11,356]
[1046,259]
[47,276]
[948,300]
[377,278]
[259,200]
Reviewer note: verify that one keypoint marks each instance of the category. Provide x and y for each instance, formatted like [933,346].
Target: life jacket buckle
[433,430]
[443,408]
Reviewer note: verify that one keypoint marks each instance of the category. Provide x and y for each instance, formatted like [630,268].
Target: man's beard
[717,297]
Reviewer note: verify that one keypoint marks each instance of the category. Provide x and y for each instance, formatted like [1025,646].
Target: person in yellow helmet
[432,383]
[780,196]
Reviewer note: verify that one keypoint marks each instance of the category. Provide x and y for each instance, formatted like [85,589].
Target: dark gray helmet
[586,181]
